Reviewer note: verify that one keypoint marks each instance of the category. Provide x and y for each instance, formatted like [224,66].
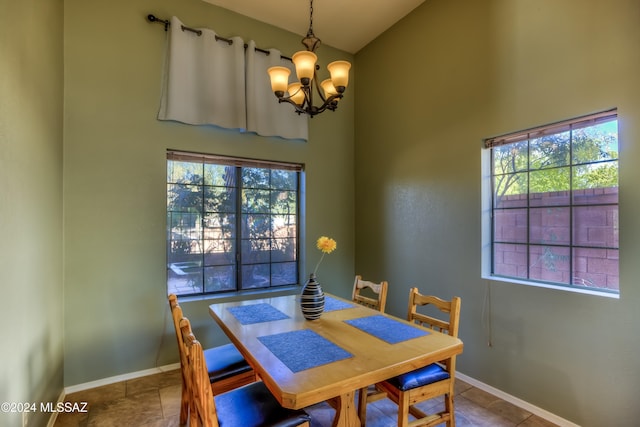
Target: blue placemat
[332,304]
[303,349]
[386,329]
[256,313]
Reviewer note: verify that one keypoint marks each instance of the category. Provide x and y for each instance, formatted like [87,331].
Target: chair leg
[184,405]
[448,405]
[403,410]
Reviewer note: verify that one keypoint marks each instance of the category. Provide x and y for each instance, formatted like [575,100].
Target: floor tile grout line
[156,387]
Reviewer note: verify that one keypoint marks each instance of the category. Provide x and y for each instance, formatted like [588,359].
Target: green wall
[116,312]
[31,101]
[458,71]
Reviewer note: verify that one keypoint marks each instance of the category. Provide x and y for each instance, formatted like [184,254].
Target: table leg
[346,413]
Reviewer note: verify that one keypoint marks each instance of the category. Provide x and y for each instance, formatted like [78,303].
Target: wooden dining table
[305,362]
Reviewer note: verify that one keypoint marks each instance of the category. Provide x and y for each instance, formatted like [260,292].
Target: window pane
[285,273]
[255,178]
[220,199]
[219,226]
[510,190]
[255,276]
[185,226]
[284,226]
[550,264]
[596,268]
[596,226]
[184,277]
[284,202]
[510,158]
[595,143]
[256,201]
[510,225]
[183,250]
[550,187]
[510,260]
[283,250]
[219,252]
[284,180]
[255,251]
[550,151]
[597,176]
[219,175]
[550,226]
[184,172]
[184,198]
[218,279]
[256,226]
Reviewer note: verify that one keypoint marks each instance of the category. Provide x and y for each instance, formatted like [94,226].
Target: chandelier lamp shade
[300,93]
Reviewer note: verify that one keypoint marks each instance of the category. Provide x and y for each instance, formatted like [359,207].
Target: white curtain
[204,79]
[265,116]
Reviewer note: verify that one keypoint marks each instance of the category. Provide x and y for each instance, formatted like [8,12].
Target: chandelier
[300,93]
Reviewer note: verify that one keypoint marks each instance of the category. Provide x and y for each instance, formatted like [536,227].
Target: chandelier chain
[310,32]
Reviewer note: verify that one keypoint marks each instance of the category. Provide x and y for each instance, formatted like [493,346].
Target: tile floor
[154,401]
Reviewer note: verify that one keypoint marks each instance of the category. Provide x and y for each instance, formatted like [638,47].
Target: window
[232,224]
[554,204]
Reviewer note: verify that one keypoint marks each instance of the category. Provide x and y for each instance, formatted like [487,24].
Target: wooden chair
[378,289]
[377,300]
[228,369]
[431,381]
[251,405]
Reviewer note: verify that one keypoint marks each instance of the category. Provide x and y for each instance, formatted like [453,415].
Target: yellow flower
[326,244]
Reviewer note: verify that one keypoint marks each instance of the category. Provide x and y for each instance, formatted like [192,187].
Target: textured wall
[430,90]
[115,180]
[31,69]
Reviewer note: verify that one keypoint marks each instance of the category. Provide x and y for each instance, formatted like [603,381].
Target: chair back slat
[377,301]
[450,308]
[431,322]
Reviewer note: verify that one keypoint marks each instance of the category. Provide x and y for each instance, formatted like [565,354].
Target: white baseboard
[553,418]
[118,378]
[107,381]
[472,381]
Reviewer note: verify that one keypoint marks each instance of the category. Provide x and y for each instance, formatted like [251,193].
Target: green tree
[543,164]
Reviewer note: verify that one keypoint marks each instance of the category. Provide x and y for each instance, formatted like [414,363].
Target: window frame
[488,205]
[238,163]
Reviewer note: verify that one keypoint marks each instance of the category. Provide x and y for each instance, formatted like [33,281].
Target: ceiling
[348,25]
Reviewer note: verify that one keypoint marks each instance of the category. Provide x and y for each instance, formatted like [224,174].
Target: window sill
[248,294]
[550,286]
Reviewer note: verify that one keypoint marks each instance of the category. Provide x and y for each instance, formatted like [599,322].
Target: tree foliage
[578,159]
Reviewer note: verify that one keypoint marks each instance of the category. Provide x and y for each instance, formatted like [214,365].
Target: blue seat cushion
[253,405]
[419,377]
[224,361]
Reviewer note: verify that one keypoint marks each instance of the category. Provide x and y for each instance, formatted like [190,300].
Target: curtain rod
[166,23]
